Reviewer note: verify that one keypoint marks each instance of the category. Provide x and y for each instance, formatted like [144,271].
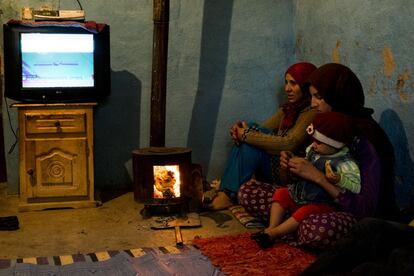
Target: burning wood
[166,182]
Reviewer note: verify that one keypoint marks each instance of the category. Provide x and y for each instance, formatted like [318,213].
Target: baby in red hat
[331,132]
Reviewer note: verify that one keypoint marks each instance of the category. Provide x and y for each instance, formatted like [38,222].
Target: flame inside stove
[166,181]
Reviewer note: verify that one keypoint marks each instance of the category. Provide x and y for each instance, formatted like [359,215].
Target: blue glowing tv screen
[56,63]
[57,60]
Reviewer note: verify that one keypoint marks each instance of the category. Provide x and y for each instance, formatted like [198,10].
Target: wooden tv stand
[56,155]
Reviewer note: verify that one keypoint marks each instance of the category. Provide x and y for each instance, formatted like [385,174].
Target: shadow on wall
[404,166]
[213,61]
[117,125]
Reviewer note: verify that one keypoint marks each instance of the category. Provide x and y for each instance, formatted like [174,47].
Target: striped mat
[93,257]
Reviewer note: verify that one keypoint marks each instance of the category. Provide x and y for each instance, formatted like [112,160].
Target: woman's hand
[284,159]
[284,167]
[233,131]
[305,169]
[237,130]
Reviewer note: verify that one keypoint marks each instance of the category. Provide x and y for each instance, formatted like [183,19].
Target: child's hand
[330,175]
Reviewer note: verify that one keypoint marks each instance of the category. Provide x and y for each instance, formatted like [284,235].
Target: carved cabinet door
[57,168]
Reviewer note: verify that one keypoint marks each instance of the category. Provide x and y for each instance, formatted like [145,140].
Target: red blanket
[239,255]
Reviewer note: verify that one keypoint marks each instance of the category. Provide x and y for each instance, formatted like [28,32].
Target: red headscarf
[300,72]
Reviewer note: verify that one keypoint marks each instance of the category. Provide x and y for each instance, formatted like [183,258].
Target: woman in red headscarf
[334,87]
[257,148]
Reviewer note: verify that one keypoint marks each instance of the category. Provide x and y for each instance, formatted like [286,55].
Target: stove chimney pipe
[161,9]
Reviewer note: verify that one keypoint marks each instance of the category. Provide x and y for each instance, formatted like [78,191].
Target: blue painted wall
[375,39]
[226,62]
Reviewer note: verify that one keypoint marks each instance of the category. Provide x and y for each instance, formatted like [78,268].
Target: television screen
[57,60]
[53,63]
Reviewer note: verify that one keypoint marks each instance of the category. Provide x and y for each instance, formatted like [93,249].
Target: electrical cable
[15,133]
[80,6]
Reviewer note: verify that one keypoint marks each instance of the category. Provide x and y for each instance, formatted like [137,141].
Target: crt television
[56,63]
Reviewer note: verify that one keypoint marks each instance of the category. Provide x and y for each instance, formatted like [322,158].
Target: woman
[256,148]
[334,87]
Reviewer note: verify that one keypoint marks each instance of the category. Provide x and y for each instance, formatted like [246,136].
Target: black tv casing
[13,67]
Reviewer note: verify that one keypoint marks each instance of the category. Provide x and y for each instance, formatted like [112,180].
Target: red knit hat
[332,128]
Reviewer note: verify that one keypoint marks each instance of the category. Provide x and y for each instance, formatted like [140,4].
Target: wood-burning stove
[166,181]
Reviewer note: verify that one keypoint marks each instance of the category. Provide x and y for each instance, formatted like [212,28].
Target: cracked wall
[373,38]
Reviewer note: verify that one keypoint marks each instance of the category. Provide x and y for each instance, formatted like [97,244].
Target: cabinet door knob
[31,174]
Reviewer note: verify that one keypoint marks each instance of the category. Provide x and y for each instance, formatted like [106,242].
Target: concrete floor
[116,225]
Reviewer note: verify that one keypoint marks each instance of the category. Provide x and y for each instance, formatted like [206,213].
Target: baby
[331,132]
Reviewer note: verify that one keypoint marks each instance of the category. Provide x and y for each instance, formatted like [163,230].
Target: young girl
[331,131]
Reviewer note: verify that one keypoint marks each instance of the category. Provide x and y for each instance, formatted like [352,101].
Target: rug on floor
[239,255]
[92,257]
[162,261]
[245,218]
